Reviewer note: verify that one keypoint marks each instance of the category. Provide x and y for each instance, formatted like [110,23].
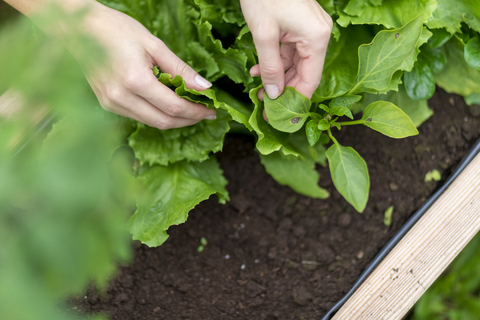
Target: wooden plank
[422,255]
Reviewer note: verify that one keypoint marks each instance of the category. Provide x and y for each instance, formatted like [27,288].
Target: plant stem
[329,131]
[351,123]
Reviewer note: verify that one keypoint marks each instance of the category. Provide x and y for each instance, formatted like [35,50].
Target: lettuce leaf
[193,143]
[169,193]
[341,63]
[451,13]
[231,62]
[391,13]
[457,76]
[221,13]
[208,97]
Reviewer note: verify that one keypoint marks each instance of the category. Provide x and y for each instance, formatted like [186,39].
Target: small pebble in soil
[344,220]
[240,202]
[360,255]
[393,186]
[256,261]
[242,267]
[227,256]
[301,295]
[272,253]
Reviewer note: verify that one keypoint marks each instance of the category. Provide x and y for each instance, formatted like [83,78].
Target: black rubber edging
[404,229]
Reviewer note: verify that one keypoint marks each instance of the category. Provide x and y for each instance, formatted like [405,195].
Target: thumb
[270,62]
[171,64]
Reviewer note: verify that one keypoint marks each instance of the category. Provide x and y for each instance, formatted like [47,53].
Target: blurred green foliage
[456,295]
[65,195]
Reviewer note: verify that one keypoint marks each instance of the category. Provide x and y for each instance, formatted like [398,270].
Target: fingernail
[211,117]
[202,82]
[272,91]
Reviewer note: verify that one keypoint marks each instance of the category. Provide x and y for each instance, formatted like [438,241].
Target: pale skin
[129,88]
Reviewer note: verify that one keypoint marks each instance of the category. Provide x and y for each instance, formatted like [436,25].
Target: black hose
[404,229]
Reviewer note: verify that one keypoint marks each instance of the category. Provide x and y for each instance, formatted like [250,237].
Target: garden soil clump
[274,254]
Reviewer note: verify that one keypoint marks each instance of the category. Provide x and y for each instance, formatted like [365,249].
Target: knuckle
[173,109]
[162,124]
[265,33]
[270,70]
[135,81]
[198,113]
[156,45]
[113,95]
[182,68]
[321,31]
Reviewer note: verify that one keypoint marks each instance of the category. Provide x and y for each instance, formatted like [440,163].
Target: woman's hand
[291,38]
[126,85]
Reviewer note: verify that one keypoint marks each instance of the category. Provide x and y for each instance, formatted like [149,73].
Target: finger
[289,76]
[271,65]
[287,53]
[149,88]
[255,71]
[307,77]
[170,63]
[142,111]
[309,66]
[260,94]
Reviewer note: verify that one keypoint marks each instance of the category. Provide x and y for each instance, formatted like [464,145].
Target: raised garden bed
[273,254]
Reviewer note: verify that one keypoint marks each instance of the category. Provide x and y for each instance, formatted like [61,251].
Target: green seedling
[387,216]
[348,169]
[433,175]
[203,243]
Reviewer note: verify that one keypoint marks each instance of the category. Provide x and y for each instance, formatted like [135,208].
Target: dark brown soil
[274,254]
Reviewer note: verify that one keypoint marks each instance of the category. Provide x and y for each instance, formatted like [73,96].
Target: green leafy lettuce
[385,59]
[168,193]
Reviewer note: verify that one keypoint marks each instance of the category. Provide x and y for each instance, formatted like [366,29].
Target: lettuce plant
[384,60]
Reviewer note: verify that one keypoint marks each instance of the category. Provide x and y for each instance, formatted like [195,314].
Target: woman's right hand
[302,28]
